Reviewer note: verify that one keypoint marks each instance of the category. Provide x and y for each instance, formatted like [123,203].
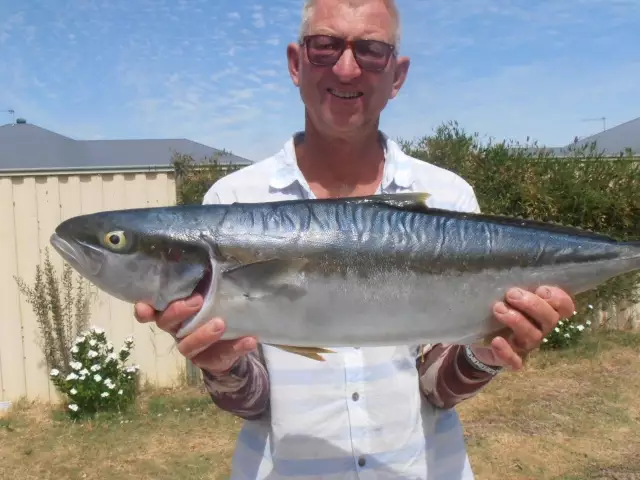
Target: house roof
[28,147]
[611,142]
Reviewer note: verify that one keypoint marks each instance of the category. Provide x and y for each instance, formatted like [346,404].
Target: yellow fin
[310,352]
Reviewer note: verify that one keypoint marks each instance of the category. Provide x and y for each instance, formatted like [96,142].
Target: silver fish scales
[366,271]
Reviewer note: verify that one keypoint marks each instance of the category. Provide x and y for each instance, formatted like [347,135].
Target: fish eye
[115,240]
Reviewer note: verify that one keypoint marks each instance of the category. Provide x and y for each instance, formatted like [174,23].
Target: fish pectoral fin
[310,352]
[267,278]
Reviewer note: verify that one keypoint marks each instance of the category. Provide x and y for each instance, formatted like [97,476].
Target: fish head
[133,255]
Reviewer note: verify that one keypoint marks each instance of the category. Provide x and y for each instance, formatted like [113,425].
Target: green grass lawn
[568,415]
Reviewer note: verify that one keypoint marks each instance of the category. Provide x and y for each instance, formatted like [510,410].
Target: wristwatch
[473,360]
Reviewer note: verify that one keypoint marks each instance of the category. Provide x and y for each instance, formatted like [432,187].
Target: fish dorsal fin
[416,201]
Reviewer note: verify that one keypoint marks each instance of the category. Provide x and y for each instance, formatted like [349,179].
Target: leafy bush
[99,379]
[193,180]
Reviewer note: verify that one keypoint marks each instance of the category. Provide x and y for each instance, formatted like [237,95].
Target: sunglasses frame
[351,44]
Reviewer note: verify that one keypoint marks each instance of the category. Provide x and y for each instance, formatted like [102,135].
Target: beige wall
[31,206]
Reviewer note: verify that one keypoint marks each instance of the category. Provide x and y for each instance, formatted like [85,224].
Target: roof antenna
[603,119]
[12,113]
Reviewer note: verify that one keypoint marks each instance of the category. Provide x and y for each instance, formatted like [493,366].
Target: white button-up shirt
[360,414]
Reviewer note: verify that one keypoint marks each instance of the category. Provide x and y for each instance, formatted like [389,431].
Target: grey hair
[309,5]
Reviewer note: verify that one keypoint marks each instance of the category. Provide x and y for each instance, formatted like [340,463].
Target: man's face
[323,88]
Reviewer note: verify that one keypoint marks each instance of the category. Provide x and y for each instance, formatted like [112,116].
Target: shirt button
[361,461]
[355,396]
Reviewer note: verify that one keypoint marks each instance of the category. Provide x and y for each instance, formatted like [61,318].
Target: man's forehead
[351,17]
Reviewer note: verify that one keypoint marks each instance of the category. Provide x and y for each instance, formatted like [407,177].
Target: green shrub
[194,179]
[99,379]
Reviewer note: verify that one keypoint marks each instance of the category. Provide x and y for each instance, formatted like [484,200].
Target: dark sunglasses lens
[372,54]
[324,50]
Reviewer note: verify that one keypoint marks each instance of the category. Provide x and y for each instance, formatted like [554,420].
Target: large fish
[367,271]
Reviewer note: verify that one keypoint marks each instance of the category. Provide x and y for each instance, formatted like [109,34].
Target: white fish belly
[398,309]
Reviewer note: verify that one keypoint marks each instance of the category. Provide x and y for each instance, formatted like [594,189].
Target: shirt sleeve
[244,390]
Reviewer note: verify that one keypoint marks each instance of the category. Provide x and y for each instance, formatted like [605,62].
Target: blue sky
[215,71]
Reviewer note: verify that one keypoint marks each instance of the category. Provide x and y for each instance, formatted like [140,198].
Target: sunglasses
[326,50]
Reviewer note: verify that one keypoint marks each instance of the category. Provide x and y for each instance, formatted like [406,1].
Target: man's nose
[346,68]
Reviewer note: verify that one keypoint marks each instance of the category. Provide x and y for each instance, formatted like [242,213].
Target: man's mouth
[346,95]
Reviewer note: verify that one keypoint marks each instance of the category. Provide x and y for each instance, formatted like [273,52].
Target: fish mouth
[84,258]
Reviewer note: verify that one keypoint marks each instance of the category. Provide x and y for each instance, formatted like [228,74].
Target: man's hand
[203,347]
[530,317]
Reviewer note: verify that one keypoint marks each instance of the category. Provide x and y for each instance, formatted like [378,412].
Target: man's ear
[400,74]
[293,61]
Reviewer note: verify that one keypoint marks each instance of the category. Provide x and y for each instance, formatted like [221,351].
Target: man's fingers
[525,334]
[170,319]
[202,338]
[506,354]
[558,299]
[144,313]
[221,356]
[177,312]
[538,309]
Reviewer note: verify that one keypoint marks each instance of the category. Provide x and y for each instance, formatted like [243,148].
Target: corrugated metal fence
[31,205]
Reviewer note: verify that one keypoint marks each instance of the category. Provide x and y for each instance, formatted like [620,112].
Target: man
[365,412]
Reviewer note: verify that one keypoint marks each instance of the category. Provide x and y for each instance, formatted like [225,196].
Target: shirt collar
[397,169]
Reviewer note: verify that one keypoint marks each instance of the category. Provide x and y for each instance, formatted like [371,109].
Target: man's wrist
[232,370]
[478,364]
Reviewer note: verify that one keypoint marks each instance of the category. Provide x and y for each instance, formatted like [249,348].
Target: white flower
[566,335]
[120,392]
[95,367]
[590,307]
[129,339]
[544,340]
[556,329]
[580,328]
[588,322]
[104,394]
[75,365]
[97,377]
[73,407]
[73,391]
[72,376]
[55,372]
[79,339]
[82,377]
[84,372]
[92,342]
[560,323]
[92,354]
[112,357]
[75,349]
[97,330]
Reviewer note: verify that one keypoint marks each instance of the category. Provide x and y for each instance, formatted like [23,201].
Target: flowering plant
[98,378]
[567,333]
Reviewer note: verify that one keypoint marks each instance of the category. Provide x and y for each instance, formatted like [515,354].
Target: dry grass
[567,416]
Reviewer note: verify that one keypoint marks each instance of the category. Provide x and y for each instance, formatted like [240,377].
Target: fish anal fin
[312,353]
